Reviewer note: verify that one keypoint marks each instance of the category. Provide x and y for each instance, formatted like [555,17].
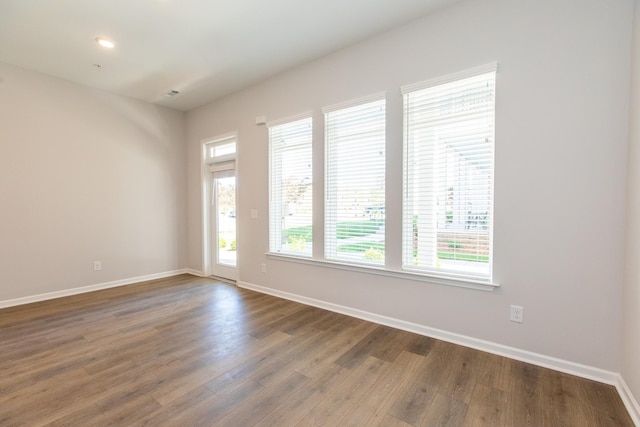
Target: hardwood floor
[189,351]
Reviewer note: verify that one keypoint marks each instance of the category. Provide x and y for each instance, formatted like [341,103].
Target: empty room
[365,212]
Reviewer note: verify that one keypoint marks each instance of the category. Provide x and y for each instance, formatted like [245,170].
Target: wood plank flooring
[187,351]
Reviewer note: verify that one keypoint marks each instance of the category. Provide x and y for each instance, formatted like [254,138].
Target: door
[223,224]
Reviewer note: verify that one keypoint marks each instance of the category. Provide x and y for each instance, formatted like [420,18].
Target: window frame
[408,229]
[332,206]
[389,270]
[275,207]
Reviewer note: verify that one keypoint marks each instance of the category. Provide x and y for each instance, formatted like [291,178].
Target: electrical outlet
[263,267]
[97,265]
[254,213]
[517,314]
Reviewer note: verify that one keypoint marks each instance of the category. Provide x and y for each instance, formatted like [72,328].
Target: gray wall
[631,324]
[561,141]
[86,176]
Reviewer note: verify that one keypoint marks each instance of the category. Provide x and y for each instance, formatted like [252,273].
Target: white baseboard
[193,272]
[490,347]
[91,288]
[629,400]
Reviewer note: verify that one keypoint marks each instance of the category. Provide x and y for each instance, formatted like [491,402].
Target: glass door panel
[224,224]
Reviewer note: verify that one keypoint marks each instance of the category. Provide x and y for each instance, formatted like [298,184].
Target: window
[291,189]
[223,149]
[447,190]
[448,175]
[220,150]
[355,182]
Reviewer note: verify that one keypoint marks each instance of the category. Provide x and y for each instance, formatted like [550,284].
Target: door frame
[209,162]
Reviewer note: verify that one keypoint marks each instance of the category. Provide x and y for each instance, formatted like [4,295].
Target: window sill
[381,271]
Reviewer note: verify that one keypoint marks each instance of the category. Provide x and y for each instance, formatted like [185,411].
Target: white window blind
[291,189]
[448,175]
[355,183]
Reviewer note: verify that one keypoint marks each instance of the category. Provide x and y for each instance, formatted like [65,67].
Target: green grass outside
[463,257]
[357,228]
[361,247]
[364,228]
[344,230]
[297,233]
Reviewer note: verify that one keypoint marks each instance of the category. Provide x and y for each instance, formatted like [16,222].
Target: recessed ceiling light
[105,42]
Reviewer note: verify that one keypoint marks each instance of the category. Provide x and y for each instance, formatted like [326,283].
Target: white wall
[84,176]
[562,105]
[631,308]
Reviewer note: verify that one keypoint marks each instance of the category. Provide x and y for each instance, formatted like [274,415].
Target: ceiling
[204,49]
